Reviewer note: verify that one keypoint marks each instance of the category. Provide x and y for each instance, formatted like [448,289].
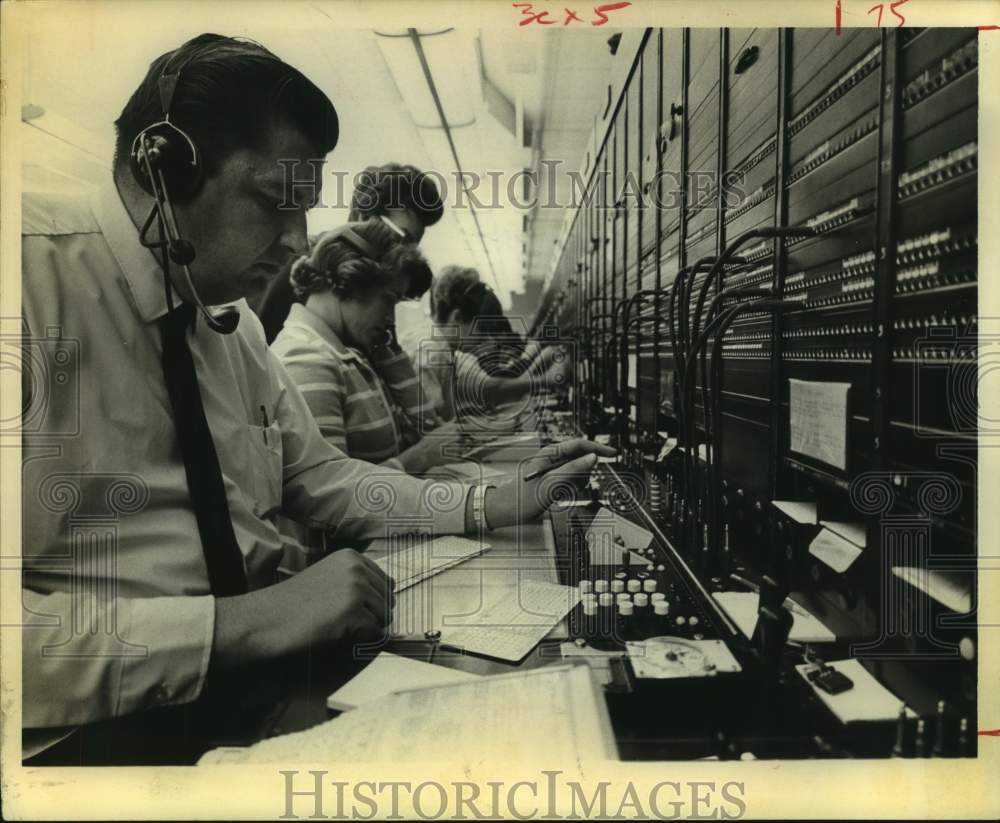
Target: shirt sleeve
[86,658]
[316,374]
[349,498]
[400,377]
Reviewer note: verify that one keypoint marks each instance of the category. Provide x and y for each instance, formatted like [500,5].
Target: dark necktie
[223,557]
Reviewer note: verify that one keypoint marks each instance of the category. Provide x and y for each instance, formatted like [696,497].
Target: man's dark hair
[230,93]
[395,186]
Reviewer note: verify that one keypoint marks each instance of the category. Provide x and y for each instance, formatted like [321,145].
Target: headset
[164,152]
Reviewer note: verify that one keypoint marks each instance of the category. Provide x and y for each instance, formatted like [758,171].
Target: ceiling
[512,99]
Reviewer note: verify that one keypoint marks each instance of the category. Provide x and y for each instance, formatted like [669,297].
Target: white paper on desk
[742,608]
[554,712]
[834,550]
[389,673]
[410,564]
[608,525]
[818,420]
[867,699]
[953,590]
[799,512]
[514,621]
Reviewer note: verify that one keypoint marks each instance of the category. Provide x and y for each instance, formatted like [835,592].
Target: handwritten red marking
[571,15]
[532,16]
[892,8]
[602,17]
[988,28]
[838,18]
[990,732]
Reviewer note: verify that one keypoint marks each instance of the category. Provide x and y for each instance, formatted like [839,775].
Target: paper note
[513,621]
[953,589]
[390,673]
[867,699]
[633,371]
[799,512]
[409,565]
[742,608]
[853,532]
[818,420]
[834,550]
[555,712]
[610,528]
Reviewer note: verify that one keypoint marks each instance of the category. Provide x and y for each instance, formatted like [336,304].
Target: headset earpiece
[173,153]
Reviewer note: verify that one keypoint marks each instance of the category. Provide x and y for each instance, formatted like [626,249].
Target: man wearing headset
[163,438]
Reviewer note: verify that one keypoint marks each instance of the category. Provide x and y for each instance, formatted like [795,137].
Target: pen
[263,415]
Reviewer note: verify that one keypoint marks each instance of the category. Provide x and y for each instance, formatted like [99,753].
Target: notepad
[427,558]
[514,621]
[867,699]
[742,608]
[390,673]
[556,713]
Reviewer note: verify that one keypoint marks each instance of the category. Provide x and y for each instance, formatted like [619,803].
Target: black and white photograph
[498,410]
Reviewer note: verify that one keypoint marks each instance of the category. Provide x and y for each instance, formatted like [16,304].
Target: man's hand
[565,468]
[344,596]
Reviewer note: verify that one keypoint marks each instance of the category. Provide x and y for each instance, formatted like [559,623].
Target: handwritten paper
[836,552]
[818,420]
[409,565]
[513,621]
[556,713]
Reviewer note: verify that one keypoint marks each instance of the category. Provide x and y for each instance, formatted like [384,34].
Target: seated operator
[153,475]
[331,343]
[475,362]
[402,196]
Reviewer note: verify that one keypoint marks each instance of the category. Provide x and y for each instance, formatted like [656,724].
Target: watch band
[479,507]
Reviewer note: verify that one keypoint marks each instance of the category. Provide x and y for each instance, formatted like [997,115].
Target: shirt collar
[141,269]
[139,265]
[301,315]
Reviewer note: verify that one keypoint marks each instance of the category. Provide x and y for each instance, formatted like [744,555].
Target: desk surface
[525,552]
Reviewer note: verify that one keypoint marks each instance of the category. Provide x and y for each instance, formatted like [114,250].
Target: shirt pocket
[266,468]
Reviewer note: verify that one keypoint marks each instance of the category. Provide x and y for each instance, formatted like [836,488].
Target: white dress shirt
[118,615]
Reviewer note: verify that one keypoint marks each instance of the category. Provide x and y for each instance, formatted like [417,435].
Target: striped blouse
[370,410]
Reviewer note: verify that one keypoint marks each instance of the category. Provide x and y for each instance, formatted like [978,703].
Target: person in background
[350,284]
[406,199]
[475,362]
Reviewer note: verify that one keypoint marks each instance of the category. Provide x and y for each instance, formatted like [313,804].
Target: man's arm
[326,489]
[86,658]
